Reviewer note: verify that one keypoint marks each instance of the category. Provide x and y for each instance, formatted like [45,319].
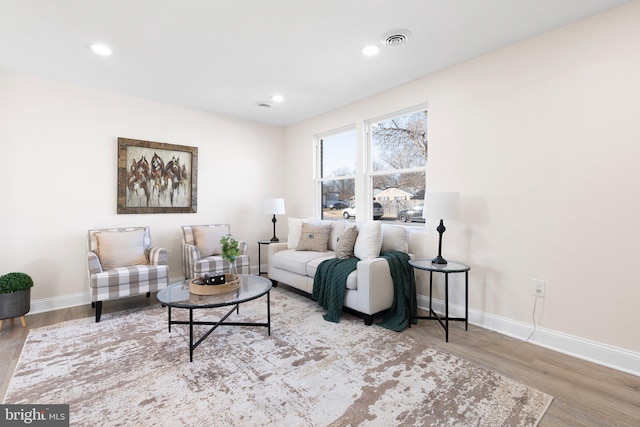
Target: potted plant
[230,251]
[15,296]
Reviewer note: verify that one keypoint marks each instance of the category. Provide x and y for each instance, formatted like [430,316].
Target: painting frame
[138,196]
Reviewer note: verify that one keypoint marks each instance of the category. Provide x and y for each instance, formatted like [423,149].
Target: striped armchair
[121,262]
[201,251]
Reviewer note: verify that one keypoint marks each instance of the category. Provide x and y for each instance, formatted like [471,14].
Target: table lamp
[441,205]
[275,207]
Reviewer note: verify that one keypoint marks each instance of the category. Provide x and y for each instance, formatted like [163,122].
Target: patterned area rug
[129,370]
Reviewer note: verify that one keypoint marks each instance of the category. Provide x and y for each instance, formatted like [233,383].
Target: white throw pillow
[394,238]
[295,227]
[337,228]
[121,248]
[207,238]
[369,240]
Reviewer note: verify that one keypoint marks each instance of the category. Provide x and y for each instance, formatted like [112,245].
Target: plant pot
[15,304]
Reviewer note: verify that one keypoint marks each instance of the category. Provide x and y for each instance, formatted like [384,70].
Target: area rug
[129,370]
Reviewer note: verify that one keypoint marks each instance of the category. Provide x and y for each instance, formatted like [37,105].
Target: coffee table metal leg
[191,335]
[269,312]
[169,315]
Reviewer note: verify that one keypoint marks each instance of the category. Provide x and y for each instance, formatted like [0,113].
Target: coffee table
[177,295]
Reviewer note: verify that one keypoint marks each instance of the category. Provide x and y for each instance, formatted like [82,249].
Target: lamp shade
[273,206]
[442,205]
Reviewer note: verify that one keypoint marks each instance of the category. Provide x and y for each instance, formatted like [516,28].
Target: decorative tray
[198,287]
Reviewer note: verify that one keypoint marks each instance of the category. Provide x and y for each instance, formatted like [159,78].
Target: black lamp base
[439,260]
[274,239]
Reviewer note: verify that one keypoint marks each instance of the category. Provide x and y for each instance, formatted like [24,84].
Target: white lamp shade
[443,205]
[273,207]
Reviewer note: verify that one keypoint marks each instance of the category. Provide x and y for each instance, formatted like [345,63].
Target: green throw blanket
[329,287]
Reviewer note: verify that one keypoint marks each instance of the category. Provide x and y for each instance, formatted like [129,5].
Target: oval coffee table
[177,295]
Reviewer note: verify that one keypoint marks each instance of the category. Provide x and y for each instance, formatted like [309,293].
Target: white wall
[542,141]
[59,177]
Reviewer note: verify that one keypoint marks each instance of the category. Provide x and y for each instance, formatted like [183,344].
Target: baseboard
[602,354]
[66,301]
[57,303]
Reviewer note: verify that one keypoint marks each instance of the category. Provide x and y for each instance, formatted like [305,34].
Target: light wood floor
[585,394]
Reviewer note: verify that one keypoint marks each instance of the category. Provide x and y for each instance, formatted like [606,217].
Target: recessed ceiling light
[277,98]
[101,49]
[370,50]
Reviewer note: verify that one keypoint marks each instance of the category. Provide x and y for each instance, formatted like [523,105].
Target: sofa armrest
[272,249]
[375,286]
[242,246]
[157,256]
[93,263]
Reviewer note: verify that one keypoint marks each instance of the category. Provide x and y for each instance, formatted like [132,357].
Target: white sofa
[369,287]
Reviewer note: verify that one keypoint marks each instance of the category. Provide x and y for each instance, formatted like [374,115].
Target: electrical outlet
[169,254]
[538,287]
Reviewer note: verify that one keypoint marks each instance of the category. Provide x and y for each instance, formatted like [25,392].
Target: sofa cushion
[312,266]
[394,238]
[121,248]
[369,240]
[207,238]
[296,261]
[346,243]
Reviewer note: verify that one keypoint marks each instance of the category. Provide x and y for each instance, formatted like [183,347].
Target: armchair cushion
[207,238]
[121,248]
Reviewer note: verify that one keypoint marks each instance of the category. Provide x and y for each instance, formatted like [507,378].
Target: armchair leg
[98,305]
[148,294]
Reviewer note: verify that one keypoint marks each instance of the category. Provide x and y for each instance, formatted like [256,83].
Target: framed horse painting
[154,177]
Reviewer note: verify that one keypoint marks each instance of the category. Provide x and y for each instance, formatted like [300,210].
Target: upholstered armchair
[202,251]
[122,262]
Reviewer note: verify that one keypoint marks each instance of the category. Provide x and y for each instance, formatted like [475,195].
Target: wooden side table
[446,269]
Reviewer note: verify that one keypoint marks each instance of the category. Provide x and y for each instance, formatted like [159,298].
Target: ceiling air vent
[263,105]
[395,37]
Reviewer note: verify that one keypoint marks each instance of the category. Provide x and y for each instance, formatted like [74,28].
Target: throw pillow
[346,242]
[207,238]
[395,238]
[295,228]
[314,237]
[121,248]
[369,240]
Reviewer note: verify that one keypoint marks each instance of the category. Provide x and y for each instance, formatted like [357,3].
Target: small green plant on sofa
[14,282]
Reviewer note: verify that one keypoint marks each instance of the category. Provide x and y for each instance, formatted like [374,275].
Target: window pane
[336,196]
[400,194]
[400,143]
[338,155]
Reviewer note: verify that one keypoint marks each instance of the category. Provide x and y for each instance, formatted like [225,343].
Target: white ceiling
[224,56]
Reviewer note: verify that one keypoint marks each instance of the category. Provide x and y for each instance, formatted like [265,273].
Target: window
[336,172]
[389,170]
[398,164]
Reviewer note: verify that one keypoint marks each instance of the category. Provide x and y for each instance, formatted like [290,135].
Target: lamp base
[274,238]
[439,260]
